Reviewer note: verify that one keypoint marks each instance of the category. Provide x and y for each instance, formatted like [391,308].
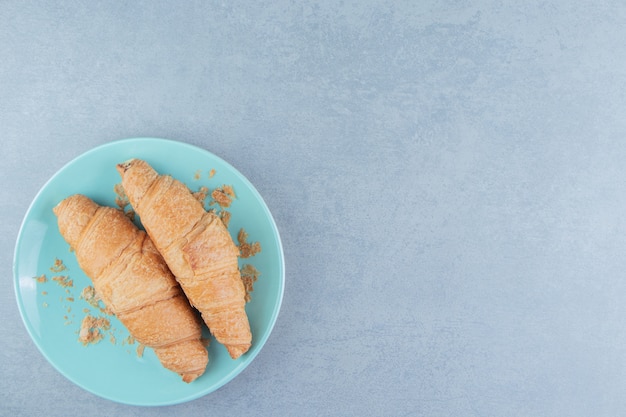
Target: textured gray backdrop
[448,178]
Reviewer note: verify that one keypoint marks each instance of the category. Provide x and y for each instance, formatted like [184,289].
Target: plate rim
[189,147]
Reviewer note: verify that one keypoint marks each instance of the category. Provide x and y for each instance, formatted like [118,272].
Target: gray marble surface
[448,177]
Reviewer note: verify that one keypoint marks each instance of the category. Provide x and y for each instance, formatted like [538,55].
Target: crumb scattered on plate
[58,266]
[223,195]
[63,281]
[89,294]
[121,199]
[92,329]
[249,275]
[41,278]
[246,249]
[211,172]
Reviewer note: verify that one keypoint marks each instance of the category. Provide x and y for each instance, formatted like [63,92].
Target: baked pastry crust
[197,248]
[134,282]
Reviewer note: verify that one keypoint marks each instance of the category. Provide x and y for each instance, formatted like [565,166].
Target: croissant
[197,248]
[133,281]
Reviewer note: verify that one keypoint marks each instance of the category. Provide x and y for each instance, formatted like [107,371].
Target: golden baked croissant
[197,248]
[133,281]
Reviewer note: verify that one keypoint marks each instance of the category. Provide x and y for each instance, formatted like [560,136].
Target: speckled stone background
[448,177]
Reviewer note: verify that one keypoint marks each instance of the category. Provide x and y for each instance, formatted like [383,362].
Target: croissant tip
[57,209]
[190,377]
[124,166]
[236,351]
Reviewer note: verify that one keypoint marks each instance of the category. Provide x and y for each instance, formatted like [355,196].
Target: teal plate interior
[52,313]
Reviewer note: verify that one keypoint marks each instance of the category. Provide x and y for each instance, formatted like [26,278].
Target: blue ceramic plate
[52,312]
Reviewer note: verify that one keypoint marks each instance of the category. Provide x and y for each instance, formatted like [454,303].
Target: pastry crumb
[58,266]
[223,195]
[249,275]
[212,173]
[197,174]
[89,294]
[228,189]
[140,350]
[246,249]
[121,199]
[121,203]
[92,329]
[41,278]
[64,281]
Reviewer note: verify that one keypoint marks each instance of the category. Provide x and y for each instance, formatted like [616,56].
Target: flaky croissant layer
[134,282]
[197,248]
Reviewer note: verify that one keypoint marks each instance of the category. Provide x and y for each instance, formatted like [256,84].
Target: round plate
[114,368]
